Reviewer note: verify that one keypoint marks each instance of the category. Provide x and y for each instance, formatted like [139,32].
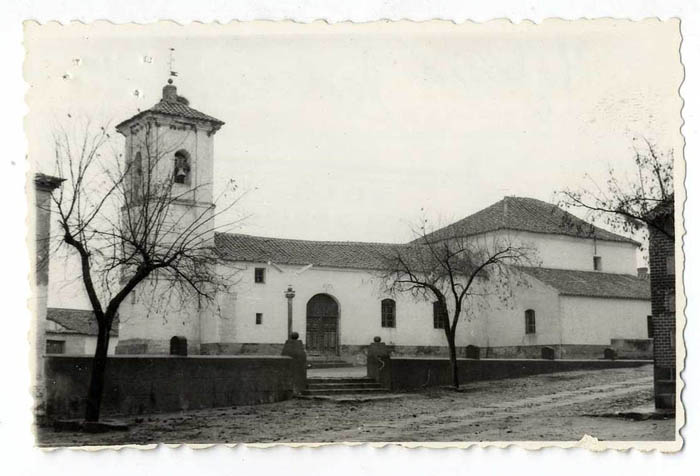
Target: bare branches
[629,205]
[453,272]
[436,270]
[128,221]
[136,220]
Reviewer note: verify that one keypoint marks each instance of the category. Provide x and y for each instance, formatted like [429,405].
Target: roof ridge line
[578,271]
[69,309]
[507,214]
[329,242]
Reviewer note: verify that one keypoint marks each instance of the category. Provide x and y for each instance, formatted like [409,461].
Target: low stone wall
[152,384]
[399,373]
[357,354]
[151,347]
[245,348]
[562,351]
[633,348]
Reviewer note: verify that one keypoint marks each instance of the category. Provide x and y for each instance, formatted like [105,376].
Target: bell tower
[169,151]
[171,142]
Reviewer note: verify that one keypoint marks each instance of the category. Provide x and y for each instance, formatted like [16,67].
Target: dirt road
[548,407]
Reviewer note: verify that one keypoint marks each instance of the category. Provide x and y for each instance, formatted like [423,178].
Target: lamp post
[289,294]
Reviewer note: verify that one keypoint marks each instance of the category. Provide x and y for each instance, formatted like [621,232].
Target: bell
[180,176]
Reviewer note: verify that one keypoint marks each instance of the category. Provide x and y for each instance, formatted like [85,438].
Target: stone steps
[326,364]
[336,391]
[320,361]
[342,386]
[338,380]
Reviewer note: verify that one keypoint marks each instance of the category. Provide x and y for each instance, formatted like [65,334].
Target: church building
[583,293]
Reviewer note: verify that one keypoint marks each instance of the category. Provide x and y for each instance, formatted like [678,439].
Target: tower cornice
[173,107]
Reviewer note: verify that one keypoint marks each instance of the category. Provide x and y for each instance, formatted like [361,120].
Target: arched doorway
[322,325]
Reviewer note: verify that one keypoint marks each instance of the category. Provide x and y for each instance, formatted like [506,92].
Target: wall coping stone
[461,359]
[166,356]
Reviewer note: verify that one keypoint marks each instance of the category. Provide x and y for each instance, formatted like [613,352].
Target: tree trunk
[97,377]
[453,359]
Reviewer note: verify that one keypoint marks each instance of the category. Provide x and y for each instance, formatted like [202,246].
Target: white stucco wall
[79,344]
[158,141]
[505,323]
[159,314]
[567,252]
[596,320]
[357,293]
[564,252]
[161,144]
[91,343]
[559,319]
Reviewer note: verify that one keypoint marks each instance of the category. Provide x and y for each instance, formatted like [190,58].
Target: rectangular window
[530,324]
[259,275]
[258,318]
[597,263]
[55,347]
[439,317]
[650,327]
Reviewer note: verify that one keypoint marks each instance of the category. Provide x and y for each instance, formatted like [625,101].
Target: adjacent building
[662,271]
[74,332]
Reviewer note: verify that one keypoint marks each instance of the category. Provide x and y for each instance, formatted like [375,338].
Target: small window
[258,318]
[259,275]
[597,263]
[530,326]
[55,347]
[388,313]
[439,316]
[650,327]
[181,172]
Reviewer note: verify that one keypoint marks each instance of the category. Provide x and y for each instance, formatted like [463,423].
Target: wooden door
[322,325]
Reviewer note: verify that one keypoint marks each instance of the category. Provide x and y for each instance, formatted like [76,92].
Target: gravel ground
[555,407]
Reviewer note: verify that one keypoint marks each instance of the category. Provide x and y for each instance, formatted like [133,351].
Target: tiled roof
[525,214]
[354,255]
[78,321]
[175,108]
[341,254]
[592,283]
[179,109]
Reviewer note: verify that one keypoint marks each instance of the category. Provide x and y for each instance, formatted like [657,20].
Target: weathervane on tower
[171,64]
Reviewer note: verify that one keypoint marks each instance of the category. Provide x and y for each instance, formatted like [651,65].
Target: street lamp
[289,294]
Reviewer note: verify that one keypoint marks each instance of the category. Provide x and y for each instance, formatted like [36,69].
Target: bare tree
[459,275]
[626,204]
[128,222]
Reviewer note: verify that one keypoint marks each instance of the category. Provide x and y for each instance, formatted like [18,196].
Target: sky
[355,132]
